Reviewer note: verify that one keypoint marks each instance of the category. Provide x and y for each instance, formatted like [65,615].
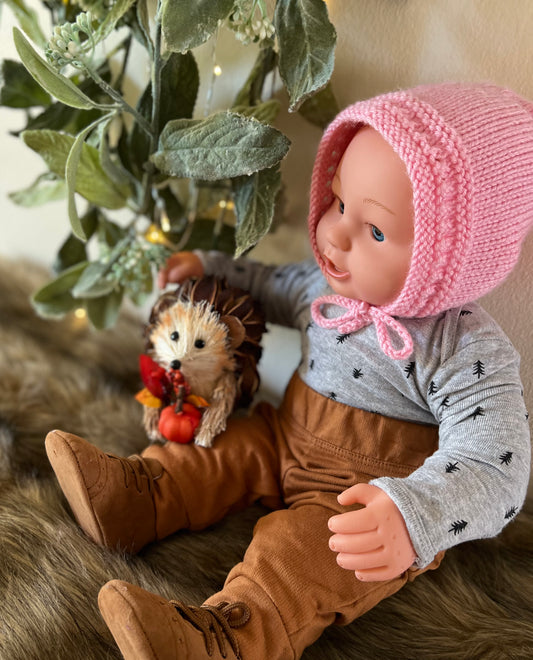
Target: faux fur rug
[479,604]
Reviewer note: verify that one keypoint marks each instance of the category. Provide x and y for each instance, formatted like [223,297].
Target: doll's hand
[179,267]
[372,541]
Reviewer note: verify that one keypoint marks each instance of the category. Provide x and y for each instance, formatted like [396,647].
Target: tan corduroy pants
[296,460]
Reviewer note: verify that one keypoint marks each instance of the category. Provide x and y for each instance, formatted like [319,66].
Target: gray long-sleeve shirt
[463,376]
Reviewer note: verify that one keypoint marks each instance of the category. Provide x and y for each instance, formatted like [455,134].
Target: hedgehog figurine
[202,347]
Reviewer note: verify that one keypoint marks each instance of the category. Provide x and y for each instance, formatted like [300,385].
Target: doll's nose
[338,237]
[175,364]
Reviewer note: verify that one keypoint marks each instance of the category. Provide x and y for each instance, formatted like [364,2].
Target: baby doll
[403,432]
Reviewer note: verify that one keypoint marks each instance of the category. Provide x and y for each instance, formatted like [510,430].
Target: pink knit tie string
[359,314]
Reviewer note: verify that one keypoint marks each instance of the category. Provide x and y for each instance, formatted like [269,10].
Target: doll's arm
[283,291]
[372,541]
[179,267]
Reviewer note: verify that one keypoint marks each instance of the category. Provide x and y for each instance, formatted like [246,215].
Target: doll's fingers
[361,562]
[162,278]
[353,522]
[379,574]
[359,494]
[355,543]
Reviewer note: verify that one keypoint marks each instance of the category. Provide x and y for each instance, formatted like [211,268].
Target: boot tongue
[151,466]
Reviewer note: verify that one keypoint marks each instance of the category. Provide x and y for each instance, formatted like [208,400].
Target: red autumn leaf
[154,377]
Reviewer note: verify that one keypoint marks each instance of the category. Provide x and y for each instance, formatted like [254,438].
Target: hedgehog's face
[190,337]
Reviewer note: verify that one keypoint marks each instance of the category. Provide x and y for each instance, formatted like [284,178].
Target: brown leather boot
[110,497]
[148,627]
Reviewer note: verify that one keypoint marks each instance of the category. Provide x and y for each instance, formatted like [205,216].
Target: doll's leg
[125,503]
[274,604]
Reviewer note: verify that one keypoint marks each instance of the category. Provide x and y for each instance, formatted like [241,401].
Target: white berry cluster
[250,22]
[68,45]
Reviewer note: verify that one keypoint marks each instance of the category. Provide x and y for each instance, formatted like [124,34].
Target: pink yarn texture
[468,150]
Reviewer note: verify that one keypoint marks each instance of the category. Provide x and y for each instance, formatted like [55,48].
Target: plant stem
[120,100]
[156,105]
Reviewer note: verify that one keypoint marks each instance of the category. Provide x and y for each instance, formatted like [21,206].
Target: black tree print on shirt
[458,526]
[511,513]
[432,389]
[465,312]
[409,369]
[506,457]
[478,369]
[452,467]
[342,338]
[478,412]
[357,373]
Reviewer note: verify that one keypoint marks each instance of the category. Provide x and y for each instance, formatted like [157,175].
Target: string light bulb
[154,234]
[217,70]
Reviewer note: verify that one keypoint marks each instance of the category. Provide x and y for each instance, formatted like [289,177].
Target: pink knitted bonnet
[468,150]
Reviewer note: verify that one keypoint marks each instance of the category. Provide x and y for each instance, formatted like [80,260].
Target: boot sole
[67,470]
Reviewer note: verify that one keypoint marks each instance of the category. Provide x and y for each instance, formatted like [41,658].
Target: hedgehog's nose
[175,364]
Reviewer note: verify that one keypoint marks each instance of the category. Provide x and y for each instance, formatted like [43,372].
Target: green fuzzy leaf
[189,24]
[251,91]
[55,298]
[19,89]
[110,164]
[53,82]
[115,13]
[264,112]
[255,198]
[103,312]
[207,235]
[103,197]
[28,20]
[91,180]
[179,87]
[44,189]
[180,80]
[306,41]
[109,233]
[143,19]
[321,108]
[58,116]
[93,282]
[224,145]
[72,252]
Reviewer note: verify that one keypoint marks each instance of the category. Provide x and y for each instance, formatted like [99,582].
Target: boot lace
[216,623]
[135,468]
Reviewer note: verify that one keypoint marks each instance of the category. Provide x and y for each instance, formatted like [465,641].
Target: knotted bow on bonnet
[468,150]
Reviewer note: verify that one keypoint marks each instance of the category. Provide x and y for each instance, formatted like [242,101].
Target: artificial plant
[154,156]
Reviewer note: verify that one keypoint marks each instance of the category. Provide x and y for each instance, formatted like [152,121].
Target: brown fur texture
[58,374]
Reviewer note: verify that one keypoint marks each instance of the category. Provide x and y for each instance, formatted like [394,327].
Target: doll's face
[365,238]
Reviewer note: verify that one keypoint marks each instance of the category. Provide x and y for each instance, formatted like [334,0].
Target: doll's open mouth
[332,269]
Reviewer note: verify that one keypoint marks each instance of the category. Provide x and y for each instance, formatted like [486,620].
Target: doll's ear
[236,330]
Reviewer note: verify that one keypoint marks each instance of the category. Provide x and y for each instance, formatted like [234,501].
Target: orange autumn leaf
[197,401]
[148,399]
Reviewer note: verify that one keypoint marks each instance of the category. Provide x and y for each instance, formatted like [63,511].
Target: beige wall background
[382,45]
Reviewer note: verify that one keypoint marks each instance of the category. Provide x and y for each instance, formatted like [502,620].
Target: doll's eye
[199,343]
[175,335]
[378,234]
[341,207]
